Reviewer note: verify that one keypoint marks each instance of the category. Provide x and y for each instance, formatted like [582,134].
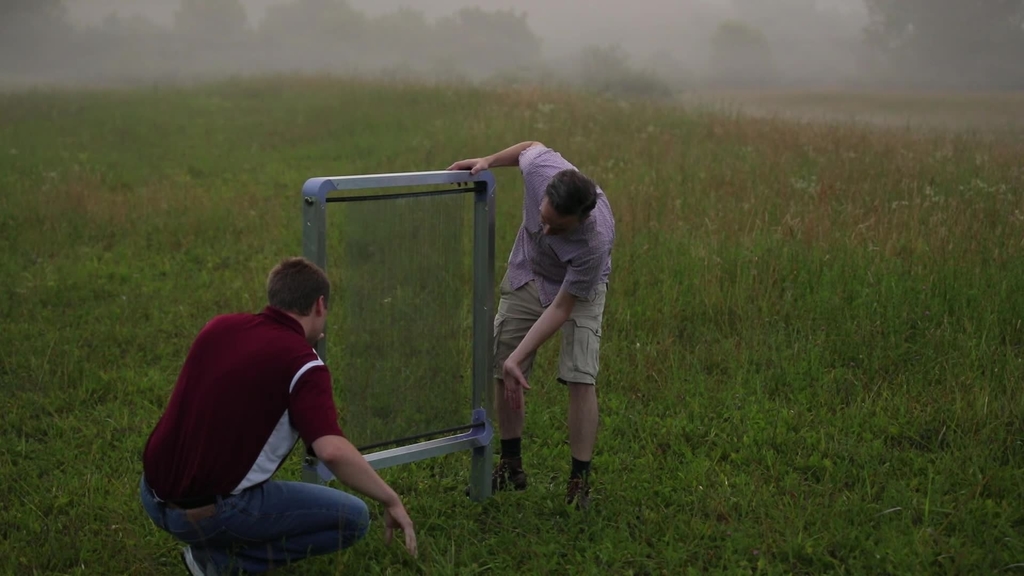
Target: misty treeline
[976,43]
[945,44]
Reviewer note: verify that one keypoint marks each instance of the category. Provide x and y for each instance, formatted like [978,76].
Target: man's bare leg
[582,437]
[509,473]
[582,420]
[510,420]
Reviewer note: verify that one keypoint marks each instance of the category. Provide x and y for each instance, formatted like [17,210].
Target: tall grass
[811,358]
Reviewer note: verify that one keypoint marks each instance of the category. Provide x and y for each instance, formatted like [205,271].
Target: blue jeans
[267,526]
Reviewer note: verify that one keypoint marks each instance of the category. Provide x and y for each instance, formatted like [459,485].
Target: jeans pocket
[196,526]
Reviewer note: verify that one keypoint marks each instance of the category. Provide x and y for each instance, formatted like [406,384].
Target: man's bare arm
[549,322]
[344,460]
[351,469]
[507,157]
[545,327]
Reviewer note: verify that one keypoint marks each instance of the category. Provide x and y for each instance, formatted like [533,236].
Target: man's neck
[303,321]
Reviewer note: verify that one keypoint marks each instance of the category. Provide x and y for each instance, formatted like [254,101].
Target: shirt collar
[282,317]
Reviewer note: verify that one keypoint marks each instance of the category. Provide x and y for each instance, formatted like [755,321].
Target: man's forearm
[352,470]
[549,322]
[509,156]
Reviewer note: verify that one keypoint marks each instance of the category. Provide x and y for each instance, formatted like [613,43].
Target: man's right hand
[514,383]
[474,165]
[396,518]
[351,469]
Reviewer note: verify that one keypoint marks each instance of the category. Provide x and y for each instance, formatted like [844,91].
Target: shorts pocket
[586,346]
[499,345]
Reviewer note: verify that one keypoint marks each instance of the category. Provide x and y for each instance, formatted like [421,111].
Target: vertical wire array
[400,327]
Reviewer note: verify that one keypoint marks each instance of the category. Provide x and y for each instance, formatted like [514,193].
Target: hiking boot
[578,492]
[508,474]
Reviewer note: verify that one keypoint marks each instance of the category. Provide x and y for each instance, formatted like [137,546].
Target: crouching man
[251,386]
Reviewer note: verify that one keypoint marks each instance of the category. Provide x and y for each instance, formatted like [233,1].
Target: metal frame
[315,197]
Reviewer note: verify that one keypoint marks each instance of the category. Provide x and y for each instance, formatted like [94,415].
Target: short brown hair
[295,284]
[572,194]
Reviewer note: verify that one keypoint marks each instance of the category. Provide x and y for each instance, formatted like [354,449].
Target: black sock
[511,448]
[579,468]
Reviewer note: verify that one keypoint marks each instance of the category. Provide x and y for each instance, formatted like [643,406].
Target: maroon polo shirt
[250,388]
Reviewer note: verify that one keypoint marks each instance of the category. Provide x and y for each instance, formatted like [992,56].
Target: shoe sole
[190,562]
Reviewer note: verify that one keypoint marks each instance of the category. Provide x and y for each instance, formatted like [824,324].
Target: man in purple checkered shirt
[556,281]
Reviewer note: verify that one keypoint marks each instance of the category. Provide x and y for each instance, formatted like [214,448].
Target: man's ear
[321,306]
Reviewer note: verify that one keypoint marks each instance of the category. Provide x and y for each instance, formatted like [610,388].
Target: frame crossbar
[317,193]
[366,198]
[407,439]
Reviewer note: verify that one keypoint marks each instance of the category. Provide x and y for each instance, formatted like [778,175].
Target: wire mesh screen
[400,330]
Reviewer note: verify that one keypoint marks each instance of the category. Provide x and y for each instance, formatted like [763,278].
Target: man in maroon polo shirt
[251,387]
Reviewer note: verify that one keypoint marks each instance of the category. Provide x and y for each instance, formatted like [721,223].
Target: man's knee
[346,522]
[581,389]
[357,525]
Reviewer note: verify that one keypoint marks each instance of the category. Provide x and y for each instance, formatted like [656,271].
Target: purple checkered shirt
[580,260]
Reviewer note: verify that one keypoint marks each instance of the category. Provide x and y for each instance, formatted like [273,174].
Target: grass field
[812,357]
[997,113]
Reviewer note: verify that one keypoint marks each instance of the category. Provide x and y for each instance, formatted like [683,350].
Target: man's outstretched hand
[395,518]
[474,165]
[515,384]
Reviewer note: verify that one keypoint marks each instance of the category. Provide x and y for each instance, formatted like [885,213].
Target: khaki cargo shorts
[518,310]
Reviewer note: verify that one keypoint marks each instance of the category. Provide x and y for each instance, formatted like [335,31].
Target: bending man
[556,280]
[251,387]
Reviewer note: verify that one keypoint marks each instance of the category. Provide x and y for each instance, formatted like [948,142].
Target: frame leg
[310,464]
[480,473]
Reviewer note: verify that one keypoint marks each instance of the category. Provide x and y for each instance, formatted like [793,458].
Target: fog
[640,26]
[653,47]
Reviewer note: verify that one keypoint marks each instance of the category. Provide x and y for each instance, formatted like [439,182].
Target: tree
[811,43]
[607,69]
[319,20]
[975,43]
[482,43]
[18,13]
[402,40]
[206,20]
[212,37]
[33,35]
[741,56]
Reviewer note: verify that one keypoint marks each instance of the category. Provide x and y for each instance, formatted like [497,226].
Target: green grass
[811,360]
[989,113]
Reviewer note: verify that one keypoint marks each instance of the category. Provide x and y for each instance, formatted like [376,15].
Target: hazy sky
[678,27]
[618,11]
[676,39]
